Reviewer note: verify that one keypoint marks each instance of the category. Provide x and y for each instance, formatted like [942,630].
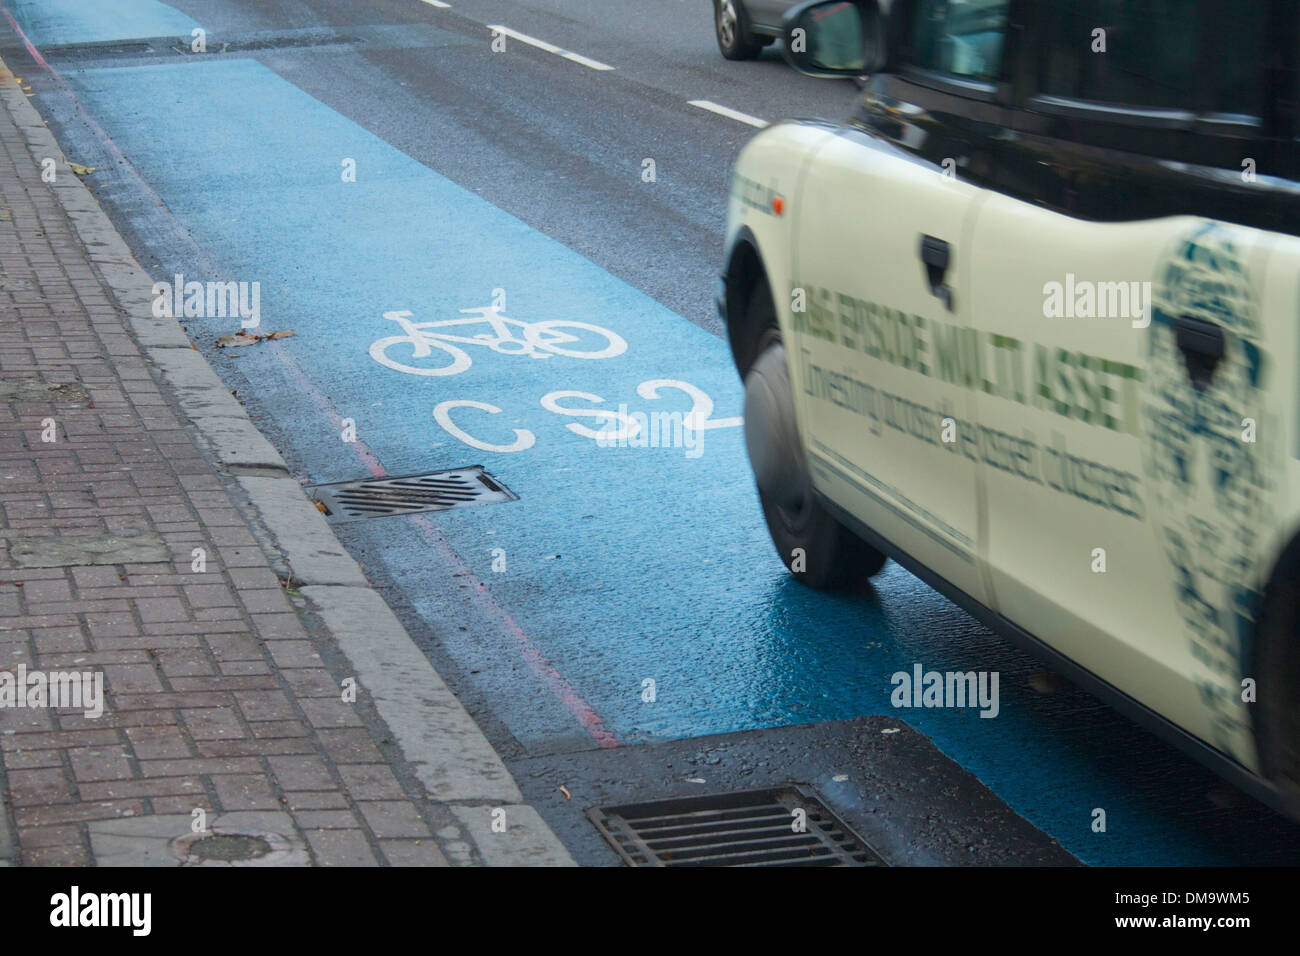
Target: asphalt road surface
[522,177]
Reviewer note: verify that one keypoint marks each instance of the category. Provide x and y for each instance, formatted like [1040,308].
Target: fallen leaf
[321,507]
[565,790]
[243,337]
[239,338]
[81,170]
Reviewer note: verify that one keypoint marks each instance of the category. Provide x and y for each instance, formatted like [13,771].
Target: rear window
[960,37]
[1157,54]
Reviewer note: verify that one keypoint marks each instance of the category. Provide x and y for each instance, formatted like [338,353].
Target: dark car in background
[744,27]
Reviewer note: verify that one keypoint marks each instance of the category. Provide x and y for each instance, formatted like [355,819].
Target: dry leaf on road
[249,338]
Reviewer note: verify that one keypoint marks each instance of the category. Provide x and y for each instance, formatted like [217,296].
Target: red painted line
[368,458]
[110,147]
[34,53]
[573,702]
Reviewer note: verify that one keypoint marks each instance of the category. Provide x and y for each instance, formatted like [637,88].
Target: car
[1027,323]
[744,27]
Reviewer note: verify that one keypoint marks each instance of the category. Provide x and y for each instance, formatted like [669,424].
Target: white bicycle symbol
[540,340]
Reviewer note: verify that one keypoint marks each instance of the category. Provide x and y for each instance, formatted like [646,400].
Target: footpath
[192,669]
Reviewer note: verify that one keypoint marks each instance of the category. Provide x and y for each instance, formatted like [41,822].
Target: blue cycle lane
[621,564]
[97,21]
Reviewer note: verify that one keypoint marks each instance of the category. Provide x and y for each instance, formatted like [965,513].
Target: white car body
[1058,473]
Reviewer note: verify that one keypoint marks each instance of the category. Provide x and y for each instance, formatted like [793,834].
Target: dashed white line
[591,64]
[550,47]
[728,112]
[439,4]
[586,61]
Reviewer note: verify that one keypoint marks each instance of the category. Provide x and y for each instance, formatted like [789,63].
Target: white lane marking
[550,48]
[586,61]
[439,4]
[525,38]
[728,112]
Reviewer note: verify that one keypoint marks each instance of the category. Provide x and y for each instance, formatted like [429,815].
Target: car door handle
[1202,344]
[935,256]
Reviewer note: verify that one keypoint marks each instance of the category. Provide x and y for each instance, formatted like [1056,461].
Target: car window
[1159,54]
[960,37]
[1238,83]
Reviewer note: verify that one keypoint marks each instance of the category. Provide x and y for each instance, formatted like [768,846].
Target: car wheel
[814,546]
[731,25]
[1277,674]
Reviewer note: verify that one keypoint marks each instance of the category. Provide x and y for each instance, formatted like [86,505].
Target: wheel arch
[745,265]
[1272,655]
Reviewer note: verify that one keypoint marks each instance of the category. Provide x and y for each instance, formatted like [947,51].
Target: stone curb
[6,841]
[313,553]
[235,441]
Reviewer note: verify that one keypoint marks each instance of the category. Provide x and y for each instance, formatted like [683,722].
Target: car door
[883,433]
[767,13]
[883,256]
[1138,367]
[882,357]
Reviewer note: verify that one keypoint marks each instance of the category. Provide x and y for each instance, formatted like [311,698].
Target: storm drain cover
[409,494]
[90,51]
[784,826]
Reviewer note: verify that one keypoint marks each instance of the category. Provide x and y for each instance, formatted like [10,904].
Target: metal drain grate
[163,46]
[242,45]
[751,828]
[94,51]
[410,494]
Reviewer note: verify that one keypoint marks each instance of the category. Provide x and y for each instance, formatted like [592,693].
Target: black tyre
[813,545]
[1277,676]
[731,27]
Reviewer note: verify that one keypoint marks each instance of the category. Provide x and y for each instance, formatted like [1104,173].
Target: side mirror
[834,38]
